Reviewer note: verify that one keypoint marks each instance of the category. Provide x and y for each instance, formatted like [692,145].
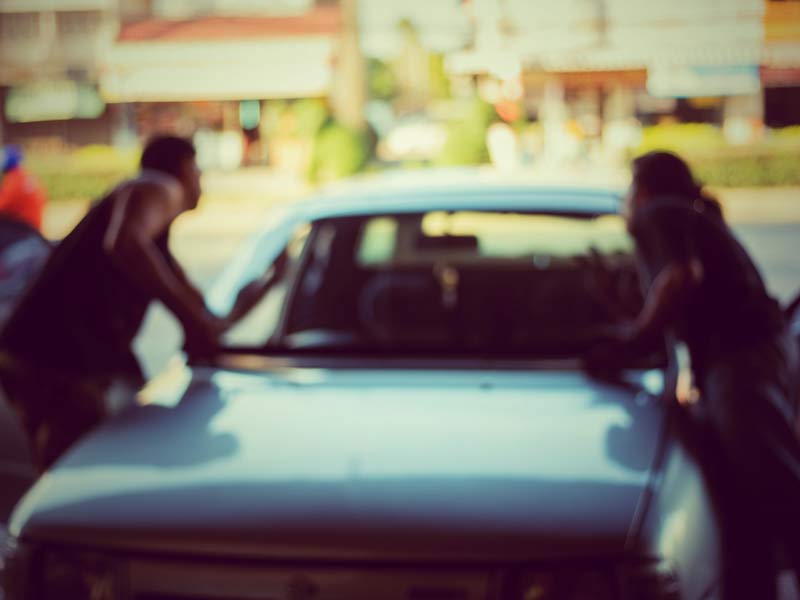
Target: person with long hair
[704,289]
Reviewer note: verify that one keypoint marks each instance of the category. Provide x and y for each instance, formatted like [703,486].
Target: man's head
[175,156]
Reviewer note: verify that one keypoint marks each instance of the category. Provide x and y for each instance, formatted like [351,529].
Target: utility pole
[349,93]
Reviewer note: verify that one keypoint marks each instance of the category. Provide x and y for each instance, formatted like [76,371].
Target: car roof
[457,190]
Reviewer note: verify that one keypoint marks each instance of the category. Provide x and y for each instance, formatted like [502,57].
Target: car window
[471,282]
[378,241]
[475,236]
[259,325]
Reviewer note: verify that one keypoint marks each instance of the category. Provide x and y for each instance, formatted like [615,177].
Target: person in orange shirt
[21,197]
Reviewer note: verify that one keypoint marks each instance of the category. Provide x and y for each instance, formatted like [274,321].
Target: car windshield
[473,283]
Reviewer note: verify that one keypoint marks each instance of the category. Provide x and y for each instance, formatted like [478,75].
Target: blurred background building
[51,63]
[324,88]
[207,68]
[602,69]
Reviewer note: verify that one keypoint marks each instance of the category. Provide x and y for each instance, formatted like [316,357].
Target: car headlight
[56,573]
[586,584]
[646,580]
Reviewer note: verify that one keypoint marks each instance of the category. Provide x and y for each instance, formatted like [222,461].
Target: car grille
[186,581]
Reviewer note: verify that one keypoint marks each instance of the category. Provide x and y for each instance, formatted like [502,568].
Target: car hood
[320,463]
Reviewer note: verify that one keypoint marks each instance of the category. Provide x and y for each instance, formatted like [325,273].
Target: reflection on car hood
[368,463]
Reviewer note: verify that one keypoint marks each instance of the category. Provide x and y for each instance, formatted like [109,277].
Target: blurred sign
[782,21]
[53,101]
[687,81]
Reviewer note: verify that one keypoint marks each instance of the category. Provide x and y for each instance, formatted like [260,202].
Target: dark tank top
[83,311]
[730,309]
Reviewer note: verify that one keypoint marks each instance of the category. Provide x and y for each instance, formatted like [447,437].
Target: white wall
[441,24]
[56,5]
[188,8]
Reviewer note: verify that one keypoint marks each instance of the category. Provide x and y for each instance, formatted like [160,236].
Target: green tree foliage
[466,139]
[439,81]
[310,115]
[381,80]
[339,151]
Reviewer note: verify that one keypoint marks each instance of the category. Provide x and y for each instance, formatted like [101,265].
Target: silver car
[405,415]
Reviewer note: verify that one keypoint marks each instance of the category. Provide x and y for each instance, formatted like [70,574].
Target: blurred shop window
[19,26]
[231,150]
[219,149]
[55,100]
[503,146]
[78,23]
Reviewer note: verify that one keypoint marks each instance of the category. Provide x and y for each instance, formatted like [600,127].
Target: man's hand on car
[201,339]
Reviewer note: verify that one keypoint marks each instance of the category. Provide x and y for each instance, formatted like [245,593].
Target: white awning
[158,71]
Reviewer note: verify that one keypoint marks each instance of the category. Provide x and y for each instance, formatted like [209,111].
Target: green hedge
[773,161]
[339,151]
[682,138]
[466,138]
[750,170]
[83,174]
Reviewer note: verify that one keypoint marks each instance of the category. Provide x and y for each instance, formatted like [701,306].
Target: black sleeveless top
[730,309]
[82,313]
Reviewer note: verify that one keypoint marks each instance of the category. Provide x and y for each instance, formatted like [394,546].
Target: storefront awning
[179,71]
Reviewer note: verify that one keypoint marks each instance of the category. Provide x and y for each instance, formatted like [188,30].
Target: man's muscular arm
[141,214]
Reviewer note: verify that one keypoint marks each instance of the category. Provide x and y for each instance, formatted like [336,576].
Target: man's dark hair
[166,153]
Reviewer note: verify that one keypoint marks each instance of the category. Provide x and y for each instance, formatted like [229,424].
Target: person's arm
[251,294]
[664,301]
[180,274]
[616,293]
[139,217]
[665,239]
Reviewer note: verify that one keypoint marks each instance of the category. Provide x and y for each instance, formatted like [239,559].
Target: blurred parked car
[23,252]
[404,416]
